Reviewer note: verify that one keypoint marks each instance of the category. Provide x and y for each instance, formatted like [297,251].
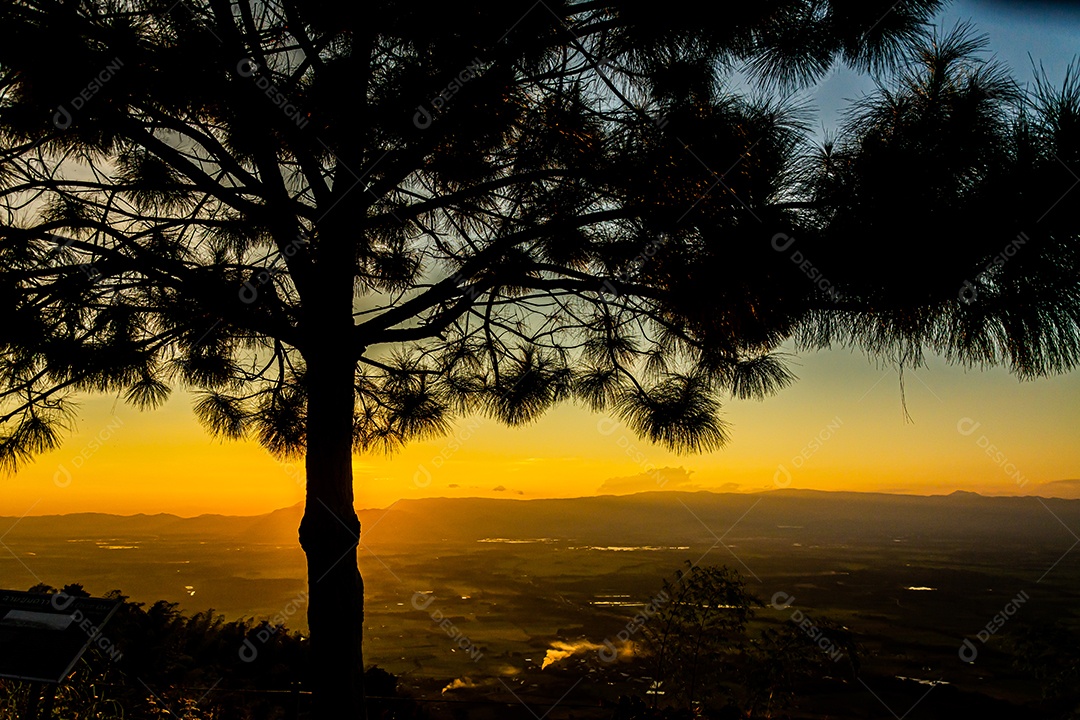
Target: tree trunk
[329,534]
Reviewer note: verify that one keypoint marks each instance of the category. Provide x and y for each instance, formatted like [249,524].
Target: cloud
[500,488]
[665,478]
[454,485]
[1068,489]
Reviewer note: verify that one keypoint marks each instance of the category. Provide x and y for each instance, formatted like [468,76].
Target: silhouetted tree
[699,625]
[707,657]
[772,664]
[159,661]
[343,224]
[1047,652]
[951,170]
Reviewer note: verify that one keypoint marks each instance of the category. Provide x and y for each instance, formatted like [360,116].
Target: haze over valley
[465,592]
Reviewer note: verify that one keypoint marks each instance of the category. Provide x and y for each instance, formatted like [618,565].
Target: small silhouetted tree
[1046,651]
[708,657]
[340,225]
[774,661]
[698,629]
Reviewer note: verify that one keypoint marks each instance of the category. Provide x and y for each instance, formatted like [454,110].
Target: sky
[842,426]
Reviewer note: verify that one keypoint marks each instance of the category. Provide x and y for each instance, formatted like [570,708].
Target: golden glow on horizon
[840,427]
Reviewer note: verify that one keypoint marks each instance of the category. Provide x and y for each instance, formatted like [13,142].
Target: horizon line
[387,508]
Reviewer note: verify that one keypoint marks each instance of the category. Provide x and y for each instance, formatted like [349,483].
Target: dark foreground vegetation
[704,646]
[159,662]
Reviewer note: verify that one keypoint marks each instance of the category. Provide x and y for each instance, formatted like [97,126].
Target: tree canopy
[583,208]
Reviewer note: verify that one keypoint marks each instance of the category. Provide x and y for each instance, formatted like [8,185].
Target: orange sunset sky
[840,427]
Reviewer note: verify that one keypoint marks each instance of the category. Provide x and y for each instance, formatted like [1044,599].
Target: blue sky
[1019,33]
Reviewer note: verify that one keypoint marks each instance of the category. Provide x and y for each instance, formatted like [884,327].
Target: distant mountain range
[670,518]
